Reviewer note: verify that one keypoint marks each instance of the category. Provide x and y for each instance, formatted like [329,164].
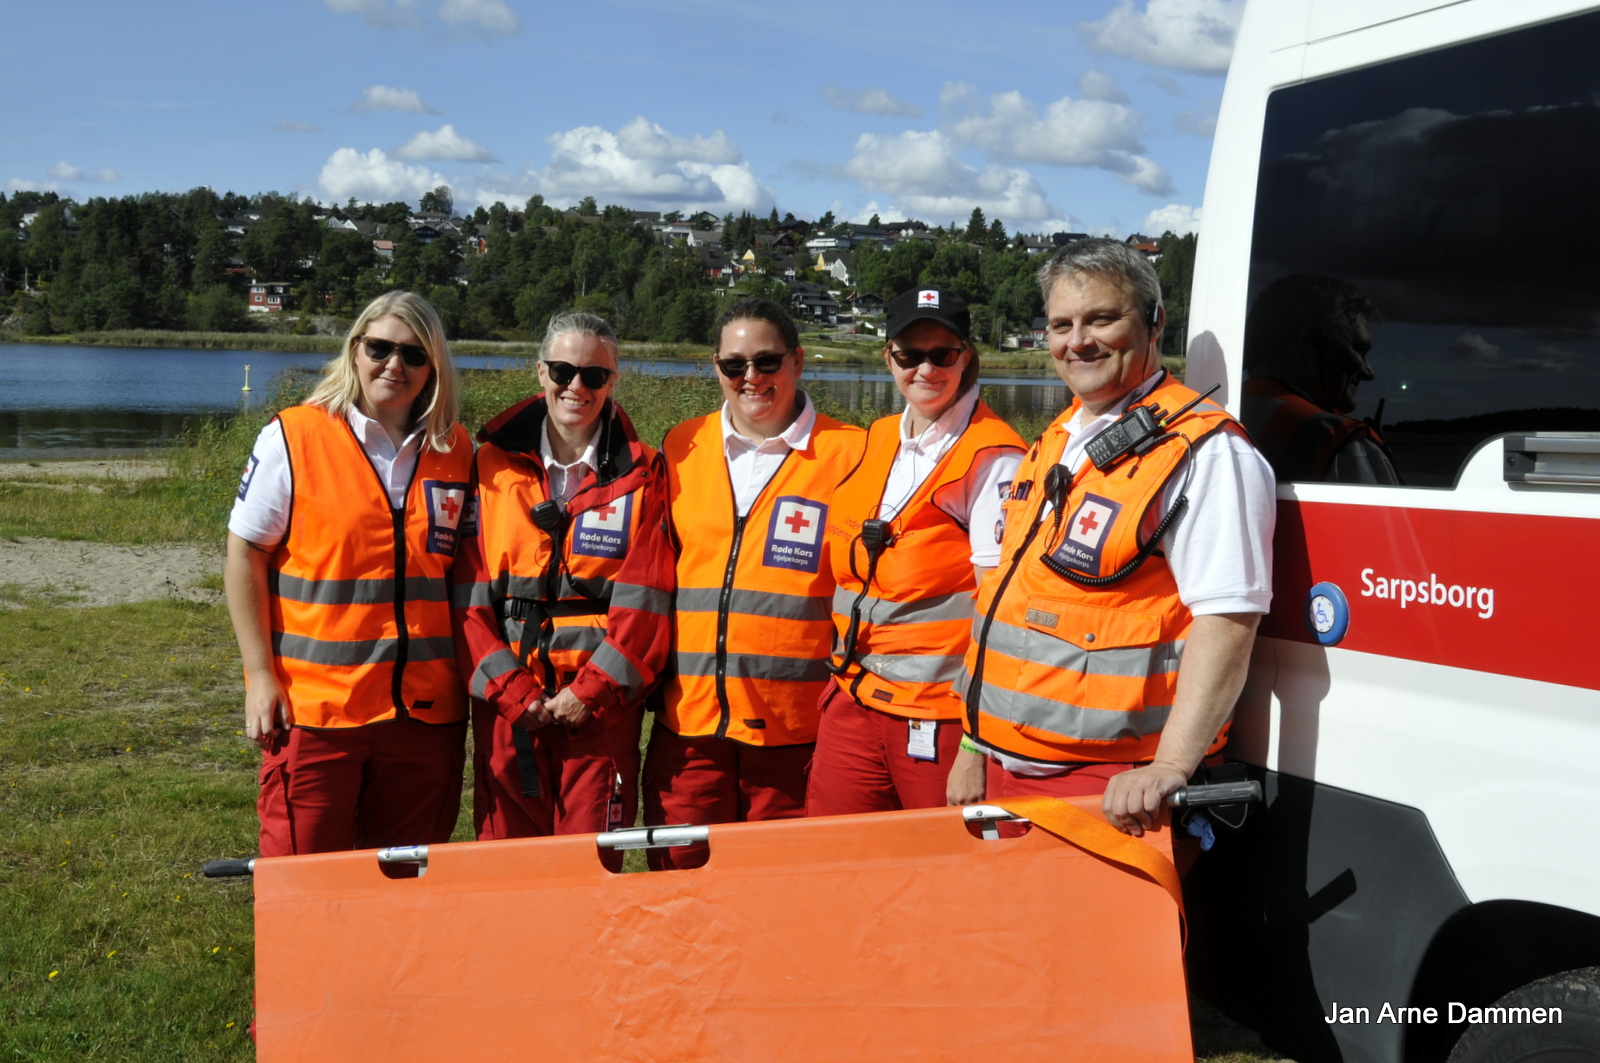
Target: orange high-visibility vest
[754,607]
[1296,436]
[1063,672]
[359,602]
[916,618]
[554,615]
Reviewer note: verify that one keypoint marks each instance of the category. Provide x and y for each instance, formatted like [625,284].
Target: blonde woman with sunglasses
[339,550]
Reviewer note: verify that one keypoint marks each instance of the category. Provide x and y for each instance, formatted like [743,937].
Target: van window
[1430,221]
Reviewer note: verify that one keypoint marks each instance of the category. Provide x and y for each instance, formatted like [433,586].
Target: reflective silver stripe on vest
[1128,662]
[954,606]
[507,586]
[913,668]
[755,603]
[361,651]
[318,651]
[470,596]
[756,666]
[645,599]
[611,661]
[354,591]
[492,667]
[582,638]
[1072,721]
[439,648]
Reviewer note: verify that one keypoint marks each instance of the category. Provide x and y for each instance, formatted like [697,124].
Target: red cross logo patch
[1087,530]
[603,530]
[447,502]
[928,299]
[794,534]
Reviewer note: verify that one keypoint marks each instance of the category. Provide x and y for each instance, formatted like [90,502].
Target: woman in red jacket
[562,597]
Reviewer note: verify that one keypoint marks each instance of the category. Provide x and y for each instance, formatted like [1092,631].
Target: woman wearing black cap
[911,532]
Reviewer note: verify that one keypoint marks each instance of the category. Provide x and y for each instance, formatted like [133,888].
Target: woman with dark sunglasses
[339,550]
[562,594]
[911,533]
[749,488]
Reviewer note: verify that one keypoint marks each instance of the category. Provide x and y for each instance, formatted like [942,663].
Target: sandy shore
[79,573]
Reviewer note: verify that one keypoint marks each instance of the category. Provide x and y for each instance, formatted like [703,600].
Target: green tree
[440,199]
[977,228]
[1175,269]
[587,207]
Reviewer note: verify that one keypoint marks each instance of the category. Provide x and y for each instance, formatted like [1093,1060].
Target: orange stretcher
[896,936]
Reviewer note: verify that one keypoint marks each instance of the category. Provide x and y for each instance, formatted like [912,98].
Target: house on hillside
[716,265]
[385,250]
[1039,332]
[812,302]
[1036,245]
[1148,246]
[704,219]
[268,297]
[836,264]
[1063,239]
[704,238]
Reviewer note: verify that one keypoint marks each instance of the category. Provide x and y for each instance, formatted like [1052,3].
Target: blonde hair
[437,405]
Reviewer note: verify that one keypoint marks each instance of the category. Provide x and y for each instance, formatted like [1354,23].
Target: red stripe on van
[1544,573]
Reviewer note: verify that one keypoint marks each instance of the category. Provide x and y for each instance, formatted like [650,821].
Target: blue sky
[1085,114]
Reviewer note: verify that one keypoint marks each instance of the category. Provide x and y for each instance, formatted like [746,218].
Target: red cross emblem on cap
[928,298]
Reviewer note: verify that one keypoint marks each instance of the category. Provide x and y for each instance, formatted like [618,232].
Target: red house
[268,297]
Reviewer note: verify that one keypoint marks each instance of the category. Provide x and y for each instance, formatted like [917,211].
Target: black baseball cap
[930,303]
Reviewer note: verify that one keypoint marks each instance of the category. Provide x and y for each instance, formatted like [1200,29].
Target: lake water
[82,401]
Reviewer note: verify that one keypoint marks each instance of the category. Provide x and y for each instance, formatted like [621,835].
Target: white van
[1424,701]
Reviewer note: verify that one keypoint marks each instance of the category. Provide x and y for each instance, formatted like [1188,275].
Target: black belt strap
[527,767]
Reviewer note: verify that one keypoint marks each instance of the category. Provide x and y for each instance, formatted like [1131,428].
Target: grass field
[122,769]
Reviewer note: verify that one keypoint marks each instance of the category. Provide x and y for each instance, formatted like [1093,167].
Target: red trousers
[861,763]
[576,771]
[326,790]
[708,780]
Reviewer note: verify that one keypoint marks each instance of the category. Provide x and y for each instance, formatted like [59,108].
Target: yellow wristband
[969,746]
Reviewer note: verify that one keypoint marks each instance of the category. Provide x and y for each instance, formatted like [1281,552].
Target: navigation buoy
[246,379]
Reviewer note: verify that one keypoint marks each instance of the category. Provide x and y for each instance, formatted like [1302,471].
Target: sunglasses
[594,376]
[910,358]
[382,350]
[766,365]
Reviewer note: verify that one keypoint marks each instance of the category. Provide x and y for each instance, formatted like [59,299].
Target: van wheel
[1575,1039]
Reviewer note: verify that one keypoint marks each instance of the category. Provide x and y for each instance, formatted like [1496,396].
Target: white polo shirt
[261,510]
[979,505]
[751,465]
[564,479]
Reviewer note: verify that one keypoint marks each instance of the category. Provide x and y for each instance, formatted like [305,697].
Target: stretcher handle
[406,854]
[1216,793]
[652,837]
[229,868]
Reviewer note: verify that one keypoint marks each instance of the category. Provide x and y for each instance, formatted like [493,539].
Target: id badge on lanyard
[922,739]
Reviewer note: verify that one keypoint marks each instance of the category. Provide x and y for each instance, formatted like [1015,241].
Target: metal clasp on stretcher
[406,854]
[652,837]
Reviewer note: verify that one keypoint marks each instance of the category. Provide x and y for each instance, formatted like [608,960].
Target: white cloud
[446,144]
[642,165]
[289,125]
[385,98]
[1200,123]
[644,139]
[869,101]
[379,13]
[1192,35]
[1071,132]
[1173,218]
[1093,85]
[65,171]
[476,16]
[493,15]
[374,177]
[1472,345]
[926,176]
[17,184]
